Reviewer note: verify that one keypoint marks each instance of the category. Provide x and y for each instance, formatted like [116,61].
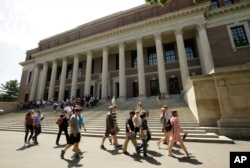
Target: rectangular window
[93,67]
[30,78]
[79,73]
[170,53]
[117,62]
[152,56]
[228,2]
[214,4]
[49,74]
[58,75]
[239,36]
[189,48]
[134,62]
[69,71]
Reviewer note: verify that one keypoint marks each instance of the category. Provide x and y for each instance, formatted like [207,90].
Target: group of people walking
[136,125]
[32,124]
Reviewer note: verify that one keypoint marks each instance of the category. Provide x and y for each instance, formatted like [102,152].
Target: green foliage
[11,89]
[153,2]
[163,2]
[197,1]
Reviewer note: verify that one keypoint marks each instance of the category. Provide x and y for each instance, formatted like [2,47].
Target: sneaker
[57,143]
[103,147]
[171,155]
[126,153]
[145,155]
[62,154]
[77,156]
[137,150]
[118,146]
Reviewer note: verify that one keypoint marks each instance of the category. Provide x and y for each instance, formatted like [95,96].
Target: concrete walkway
[47,154]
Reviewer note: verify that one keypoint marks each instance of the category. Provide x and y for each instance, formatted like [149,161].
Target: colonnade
[37,90]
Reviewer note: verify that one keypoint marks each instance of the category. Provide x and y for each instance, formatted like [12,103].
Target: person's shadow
[74,162]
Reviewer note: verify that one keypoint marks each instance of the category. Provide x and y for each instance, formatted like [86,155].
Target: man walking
[74,137]
[110,129]
[130,133]
[38,129]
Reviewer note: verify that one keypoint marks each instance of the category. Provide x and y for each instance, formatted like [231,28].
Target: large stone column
[161,65]
[52,80]
[34,84]
[141,74]
[75,76]
[88,73]
[182,56]
[43,81]
[206,55]
[122,77]
[105,73]
[63,79]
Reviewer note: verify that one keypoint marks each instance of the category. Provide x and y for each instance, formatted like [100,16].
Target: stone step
[94,119]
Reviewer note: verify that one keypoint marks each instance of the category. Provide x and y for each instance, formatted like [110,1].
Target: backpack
[59,121]
[168,125]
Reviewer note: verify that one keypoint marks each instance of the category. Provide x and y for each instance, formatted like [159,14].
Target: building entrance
[154,86]
[174,86]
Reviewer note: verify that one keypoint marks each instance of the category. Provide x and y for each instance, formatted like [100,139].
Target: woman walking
[175,134]
[63,127]
[29,126]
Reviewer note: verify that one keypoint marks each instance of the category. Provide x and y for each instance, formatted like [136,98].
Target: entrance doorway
[135,89]
[174,86]
[154,86]
[117,88]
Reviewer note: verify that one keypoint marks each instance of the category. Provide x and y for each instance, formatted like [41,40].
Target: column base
[234,122]
[141,97]
[122,99]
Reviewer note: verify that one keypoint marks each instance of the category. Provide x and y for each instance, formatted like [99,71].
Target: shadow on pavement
[73,162]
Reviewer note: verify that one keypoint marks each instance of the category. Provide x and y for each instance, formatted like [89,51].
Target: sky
[23,23]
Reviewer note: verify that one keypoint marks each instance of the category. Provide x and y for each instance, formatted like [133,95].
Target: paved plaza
[47,154]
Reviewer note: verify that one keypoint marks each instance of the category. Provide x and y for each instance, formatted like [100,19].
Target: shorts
[108,131]
[73,139]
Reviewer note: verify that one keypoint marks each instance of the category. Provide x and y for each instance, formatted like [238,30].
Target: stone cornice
[228,9]
[196,9]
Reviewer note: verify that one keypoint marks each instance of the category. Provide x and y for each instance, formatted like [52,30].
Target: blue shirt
[38,118]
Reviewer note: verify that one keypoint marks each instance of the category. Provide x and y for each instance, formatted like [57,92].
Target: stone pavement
[47,154]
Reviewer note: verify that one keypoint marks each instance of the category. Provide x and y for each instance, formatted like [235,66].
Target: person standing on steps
[63,127]
[175,134]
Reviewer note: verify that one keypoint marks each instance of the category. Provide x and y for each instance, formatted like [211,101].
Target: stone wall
[221,100]
[9,106]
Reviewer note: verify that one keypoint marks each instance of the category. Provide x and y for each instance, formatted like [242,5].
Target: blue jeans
[144,146]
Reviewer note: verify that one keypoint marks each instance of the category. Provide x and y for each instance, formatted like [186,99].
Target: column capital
[105,48]
[138,40]
[121,44]
[201,26]
[157,36]
[178,31]
[89,52]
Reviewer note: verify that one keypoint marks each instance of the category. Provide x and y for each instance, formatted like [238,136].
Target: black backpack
[168,125]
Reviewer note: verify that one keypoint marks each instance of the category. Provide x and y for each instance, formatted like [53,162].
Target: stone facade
[144,51]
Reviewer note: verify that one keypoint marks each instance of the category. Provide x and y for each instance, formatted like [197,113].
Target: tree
[163,2]
[11,89]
